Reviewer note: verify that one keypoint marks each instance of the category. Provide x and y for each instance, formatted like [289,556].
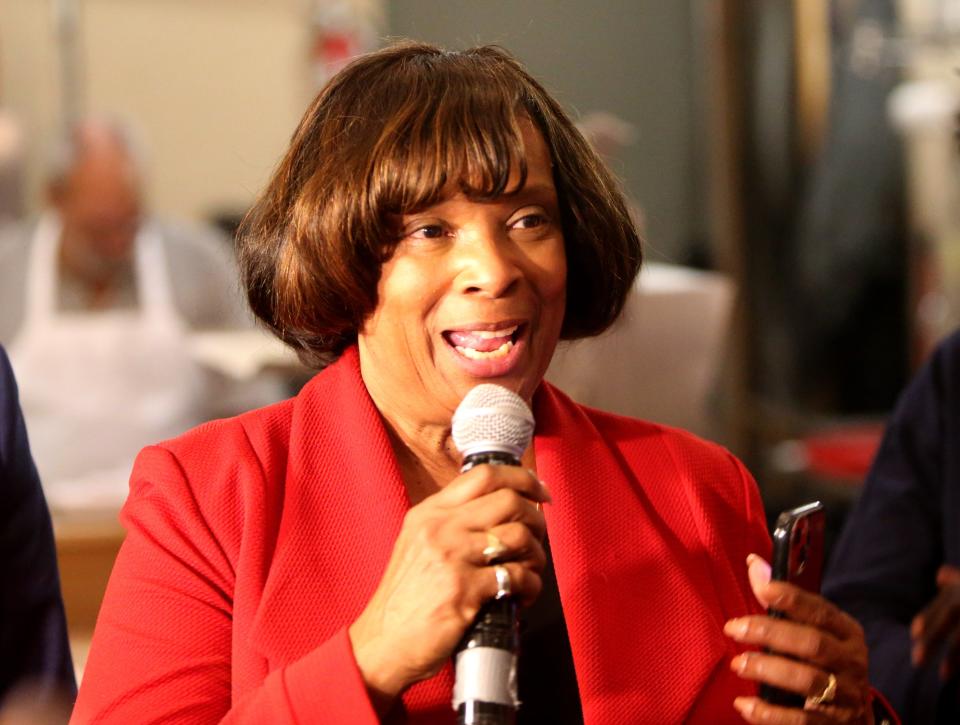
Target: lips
[491,343]
[480,344]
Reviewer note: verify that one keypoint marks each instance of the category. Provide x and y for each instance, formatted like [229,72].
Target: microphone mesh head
[492,418]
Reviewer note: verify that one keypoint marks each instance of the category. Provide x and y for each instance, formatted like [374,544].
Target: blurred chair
[660,360]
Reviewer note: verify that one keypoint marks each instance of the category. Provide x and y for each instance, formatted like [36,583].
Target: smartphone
[798,559]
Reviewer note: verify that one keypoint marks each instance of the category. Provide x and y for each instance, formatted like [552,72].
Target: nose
[489,264]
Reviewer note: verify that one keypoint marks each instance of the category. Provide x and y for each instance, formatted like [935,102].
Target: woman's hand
[939,624]
[438,576]
[816,641]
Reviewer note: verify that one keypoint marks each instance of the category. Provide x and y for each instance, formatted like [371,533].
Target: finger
[758,571]
[500,507]
[948,576]
[525,584]
[792,638]
[797,603]
[755,710]
[934,623]
[951,660]
[486,478]
[512,541]
[791,675]
[809,608]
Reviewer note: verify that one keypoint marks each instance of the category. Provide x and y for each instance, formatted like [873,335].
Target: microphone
[491,425]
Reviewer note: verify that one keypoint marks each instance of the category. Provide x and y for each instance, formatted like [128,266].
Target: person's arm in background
[34,647]
[205,278]
[209,298]
[885,566]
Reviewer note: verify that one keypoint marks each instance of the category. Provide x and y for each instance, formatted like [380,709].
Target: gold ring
[494,548]
[504,588]
[829,692]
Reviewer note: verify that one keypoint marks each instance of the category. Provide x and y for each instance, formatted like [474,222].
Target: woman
[438,223]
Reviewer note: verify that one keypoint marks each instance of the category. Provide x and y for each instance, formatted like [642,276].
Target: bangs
[447,138]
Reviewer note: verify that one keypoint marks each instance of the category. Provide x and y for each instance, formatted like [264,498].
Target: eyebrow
[534,190]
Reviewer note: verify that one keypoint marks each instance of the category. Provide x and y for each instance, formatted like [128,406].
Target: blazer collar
[630,573]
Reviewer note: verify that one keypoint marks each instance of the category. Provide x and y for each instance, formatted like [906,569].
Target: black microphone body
[492,425]
[496,626]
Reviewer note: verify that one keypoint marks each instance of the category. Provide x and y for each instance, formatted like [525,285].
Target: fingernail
[758,572]
[745,705]
[739,663]
[736,628]
[543,485]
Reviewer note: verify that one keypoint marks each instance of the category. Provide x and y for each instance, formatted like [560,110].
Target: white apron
[97,387]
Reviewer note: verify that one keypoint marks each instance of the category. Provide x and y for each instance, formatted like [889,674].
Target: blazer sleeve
[33,632]
[162,647]
[884,566]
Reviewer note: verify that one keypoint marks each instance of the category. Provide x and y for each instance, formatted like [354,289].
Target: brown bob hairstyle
[389,135]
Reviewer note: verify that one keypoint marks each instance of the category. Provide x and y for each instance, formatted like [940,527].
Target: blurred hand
[438,577]
[816,640]
[939,624]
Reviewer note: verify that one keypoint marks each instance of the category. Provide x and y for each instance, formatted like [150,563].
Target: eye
[427,231]
[529,221]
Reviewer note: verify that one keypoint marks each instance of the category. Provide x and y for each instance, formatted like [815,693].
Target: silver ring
[504,588]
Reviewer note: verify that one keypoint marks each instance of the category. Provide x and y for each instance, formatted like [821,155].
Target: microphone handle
[485,659]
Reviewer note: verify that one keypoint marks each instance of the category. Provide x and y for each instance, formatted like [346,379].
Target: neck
[427,456]
[424,448]
[88,268]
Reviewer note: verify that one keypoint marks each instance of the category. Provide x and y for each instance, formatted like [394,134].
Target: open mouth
[492,344]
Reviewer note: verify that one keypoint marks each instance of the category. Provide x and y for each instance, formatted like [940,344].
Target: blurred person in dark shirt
[34,651]
[897,565]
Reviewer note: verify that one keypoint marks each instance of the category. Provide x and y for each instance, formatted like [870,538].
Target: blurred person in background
[438,223]
[35,665]
[896,567]
[96,301]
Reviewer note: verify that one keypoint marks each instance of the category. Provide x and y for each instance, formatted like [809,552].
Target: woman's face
[474,293]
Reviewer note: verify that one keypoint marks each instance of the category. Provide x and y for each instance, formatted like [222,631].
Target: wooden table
[87,544]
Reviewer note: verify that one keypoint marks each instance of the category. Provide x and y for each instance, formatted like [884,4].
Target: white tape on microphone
[488,674]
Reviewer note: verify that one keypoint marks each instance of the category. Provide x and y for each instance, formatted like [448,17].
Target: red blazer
[254,542]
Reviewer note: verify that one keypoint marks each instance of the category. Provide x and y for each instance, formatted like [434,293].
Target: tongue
[471,340]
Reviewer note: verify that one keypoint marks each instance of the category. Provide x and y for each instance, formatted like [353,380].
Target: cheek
[553,280]
[406,292]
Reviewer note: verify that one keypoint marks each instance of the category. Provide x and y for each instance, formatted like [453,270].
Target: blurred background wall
[217,86]
[632,58]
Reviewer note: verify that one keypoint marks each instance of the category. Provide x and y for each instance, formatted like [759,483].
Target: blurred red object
[844,453]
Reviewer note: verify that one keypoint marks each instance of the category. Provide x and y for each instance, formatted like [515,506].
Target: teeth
[492,334]
[501,351]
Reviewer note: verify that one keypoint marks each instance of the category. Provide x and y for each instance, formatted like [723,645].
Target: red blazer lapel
[343,506]
[631,586]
